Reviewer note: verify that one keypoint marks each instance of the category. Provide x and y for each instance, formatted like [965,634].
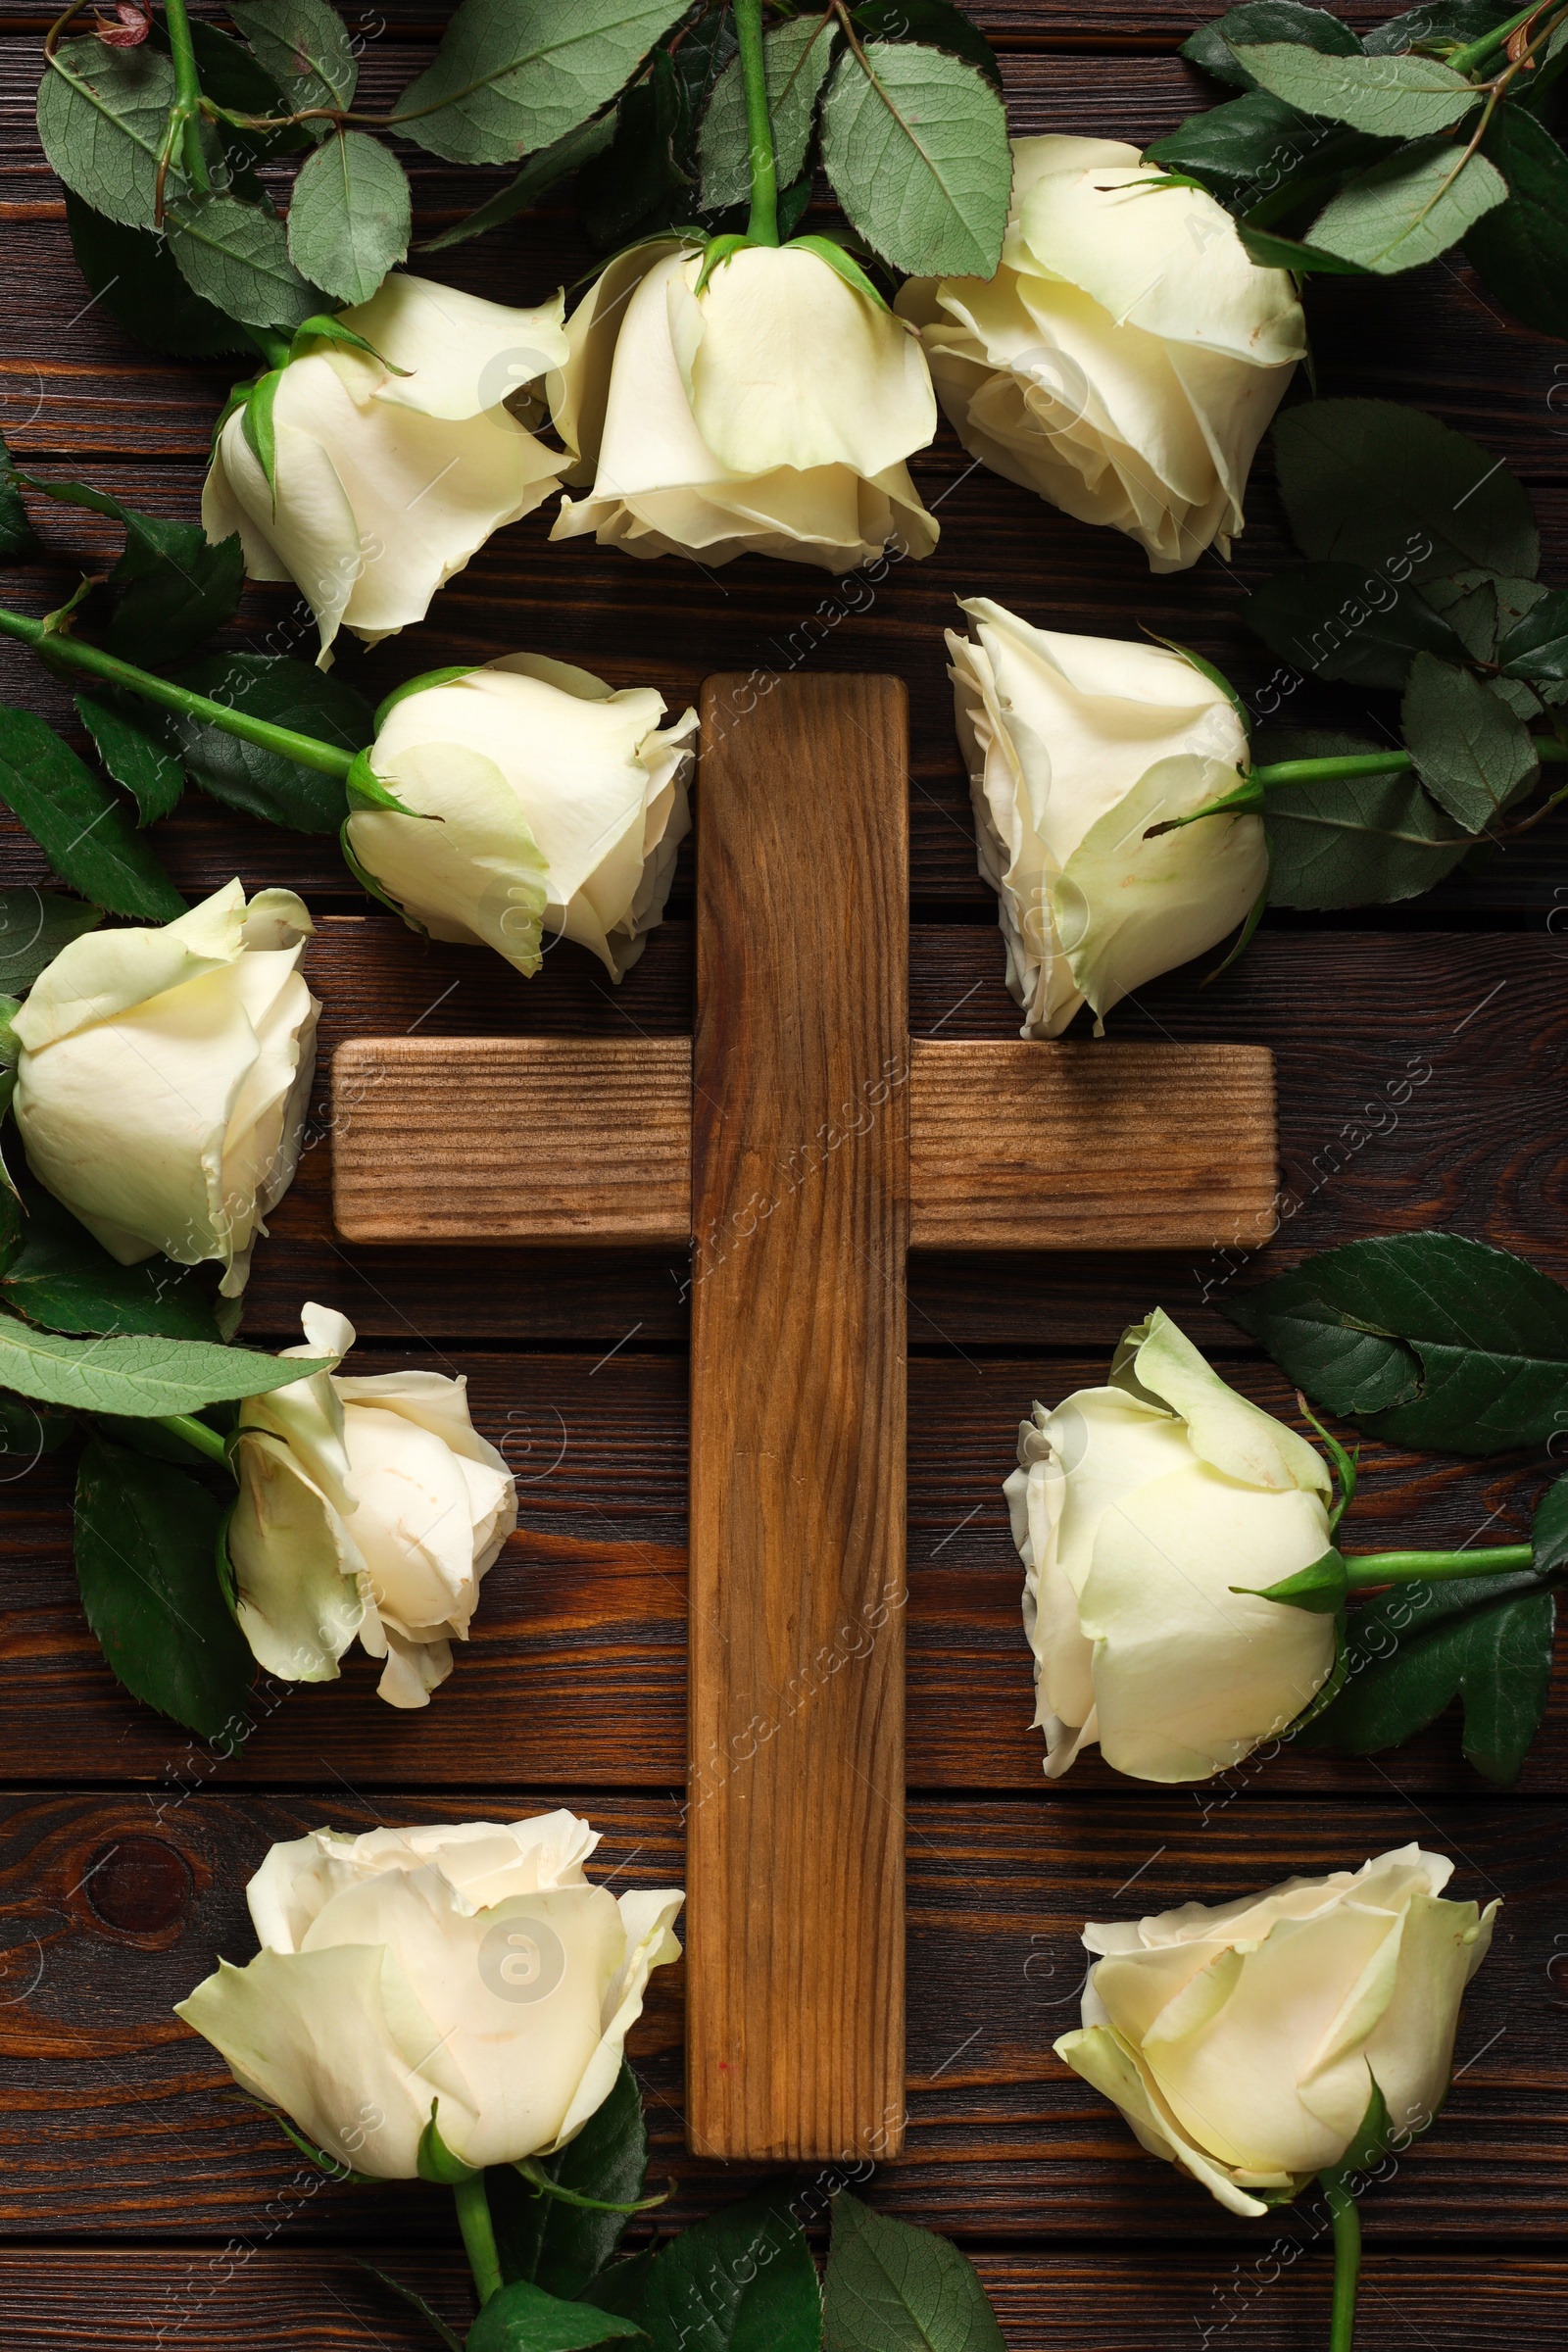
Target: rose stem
[763,226]
[187,93]
[327,758]
[196,1434]
[479,2237]
[1366,764]
[1465,61]
[1434,1567]
[1347,2259]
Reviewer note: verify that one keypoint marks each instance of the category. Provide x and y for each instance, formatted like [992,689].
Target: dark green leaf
[350,216]
[17,537]
[26,1435]
[66,1281]
[918,158]
[1365,481]
[83,830]
[1429,1339]
[1420,1646]
[132,274]
[1211,45]
[146,1545]
[131,742]
[1272,250]
[932,21]
[232,76]
[1520,251]
[1549,1529]
[1387,97]
[1537,645]
[742,2280]
[1468,602]
[797,57]
[102,117]
[894,2289]
[171,586]
[1254,146]
[538,176]
[235,256]
[1472,755]
[1434,22]
[509,79]
[523,2318]
[637,186]
[135,1375]
[1405,211]
[306,46]
[35,925]
[263,783]
[1342,621]
[417,2302]
[561,2246]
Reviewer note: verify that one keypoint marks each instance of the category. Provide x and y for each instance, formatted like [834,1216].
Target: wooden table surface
[144,2202]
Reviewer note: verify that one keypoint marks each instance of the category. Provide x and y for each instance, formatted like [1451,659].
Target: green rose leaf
[142,1377]
[66,1281]
[1412,1653]
[102,117]
[17,537]
[508,79]
[538,176]
[35,925]
[894,2289]
[1471,753]
[1389,97]
[741,2281]
[350,216]
[797,57]
[1520,250]
[523,2318]
[639,187]
[263,783]
[1435,21]
[146,1564]
[933,23]
[83,830]
[915,144]
[1251,147]
[235,256]
[171,586]
[1367,481]
[132,274]
[1213,46]
[560,2246]
[1549,1529]
[129,737]
[1429,1339]
[305,45]
[1341,620]
[1536,645]
[1407,211]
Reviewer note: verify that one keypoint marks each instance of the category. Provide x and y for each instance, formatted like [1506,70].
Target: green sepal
[237,398]
[719,250]
[368,882]
[428,678]
[227,1583]
[1320,1588]
[544,2185]
[365,790]
[1374,2137]
[1347,1466]
[332,2166]
[258,427]
[436,2161]
[324,329]
[1254,916]
[1247,795]
[842,262]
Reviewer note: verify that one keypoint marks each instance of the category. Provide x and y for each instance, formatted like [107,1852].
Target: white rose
[369,1507]
[1076,745]
[390,477]
[561,806]
[472,1966]
[164,1076]
[1127,354]
[772,413]
[1242,2043]
[1136,1508]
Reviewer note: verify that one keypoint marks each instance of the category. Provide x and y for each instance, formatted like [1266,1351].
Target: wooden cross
[803,1141]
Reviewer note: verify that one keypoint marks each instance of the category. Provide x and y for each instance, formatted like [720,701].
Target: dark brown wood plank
[796,2023]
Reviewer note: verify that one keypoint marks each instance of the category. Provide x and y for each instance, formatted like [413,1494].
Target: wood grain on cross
[802,1142]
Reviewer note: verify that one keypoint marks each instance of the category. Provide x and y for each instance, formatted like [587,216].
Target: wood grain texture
[796,2029]
[540,1140]
[1029,1145]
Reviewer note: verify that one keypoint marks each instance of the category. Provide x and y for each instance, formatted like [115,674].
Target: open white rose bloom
[1242,2042]
[164,1076]
[474,1966]
[771,413]
[1127,357]
[1075,747]
[393,467]
[1136,1508]
[367,1507]
[562,805]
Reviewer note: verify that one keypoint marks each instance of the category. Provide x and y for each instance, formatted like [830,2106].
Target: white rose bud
[164,1076]
[1242,2042]
[560,805]
[772,413]
[369,1507]
[474,1967]
[392,469]
[1076,747]
[1127,354]
[1136,1508]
